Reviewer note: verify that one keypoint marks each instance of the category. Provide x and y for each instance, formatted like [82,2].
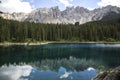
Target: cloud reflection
[14,72]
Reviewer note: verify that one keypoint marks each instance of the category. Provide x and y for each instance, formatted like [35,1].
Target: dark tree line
[14,31]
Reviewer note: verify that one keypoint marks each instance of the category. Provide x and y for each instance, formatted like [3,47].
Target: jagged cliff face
[45,15]
[54,15]
[69,15]
[14,16]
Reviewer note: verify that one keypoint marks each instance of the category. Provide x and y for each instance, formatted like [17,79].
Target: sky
[29,5]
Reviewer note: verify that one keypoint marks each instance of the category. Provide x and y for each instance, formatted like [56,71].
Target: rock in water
[112,75]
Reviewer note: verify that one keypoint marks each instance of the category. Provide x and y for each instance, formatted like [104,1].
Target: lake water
[62,61]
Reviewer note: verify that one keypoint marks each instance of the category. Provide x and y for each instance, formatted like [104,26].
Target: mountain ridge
[69,15]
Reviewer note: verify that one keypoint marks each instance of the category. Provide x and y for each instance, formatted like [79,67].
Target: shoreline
[52,42]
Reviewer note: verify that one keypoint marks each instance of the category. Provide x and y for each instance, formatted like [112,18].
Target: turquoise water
[57,61]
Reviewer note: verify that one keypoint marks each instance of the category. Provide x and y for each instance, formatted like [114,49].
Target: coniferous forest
[14,31]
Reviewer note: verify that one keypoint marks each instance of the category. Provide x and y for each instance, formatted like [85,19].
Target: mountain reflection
[26,72]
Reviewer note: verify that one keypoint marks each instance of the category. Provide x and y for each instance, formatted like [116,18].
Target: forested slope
[14,31]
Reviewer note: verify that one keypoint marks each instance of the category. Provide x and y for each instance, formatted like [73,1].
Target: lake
[57,61]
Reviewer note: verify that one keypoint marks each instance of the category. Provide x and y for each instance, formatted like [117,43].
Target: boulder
[109,75]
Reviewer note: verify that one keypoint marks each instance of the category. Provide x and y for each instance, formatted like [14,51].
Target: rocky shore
[109,75]
[26,43]
[47,42]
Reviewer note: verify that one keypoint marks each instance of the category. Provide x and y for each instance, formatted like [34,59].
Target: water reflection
[27,72]
[14,72]
[57,61]
[103,54]
[71,64]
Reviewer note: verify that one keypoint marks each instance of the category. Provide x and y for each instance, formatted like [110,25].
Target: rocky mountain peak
[69,15]
[55,8]
[81,9]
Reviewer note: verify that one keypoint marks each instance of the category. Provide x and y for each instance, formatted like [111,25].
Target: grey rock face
[99,14]
[45,15]
[69,15]
[14,16]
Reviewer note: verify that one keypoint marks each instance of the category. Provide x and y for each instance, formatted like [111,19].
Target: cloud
[66,2]
[15,6]
[90,8]
[103,3]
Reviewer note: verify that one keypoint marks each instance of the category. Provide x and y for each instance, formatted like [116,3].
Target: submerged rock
[109,75]
[80,68]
